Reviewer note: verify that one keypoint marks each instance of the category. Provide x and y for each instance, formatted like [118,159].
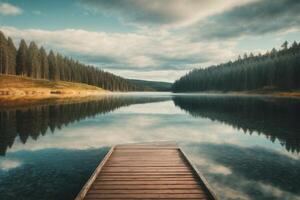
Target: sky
[152,40]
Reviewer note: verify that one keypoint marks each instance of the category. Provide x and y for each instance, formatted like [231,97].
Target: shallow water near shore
[247,147]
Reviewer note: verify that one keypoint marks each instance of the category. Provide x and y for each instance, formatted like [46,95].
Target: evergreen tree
[53,70]
[33,61]
[44,64]
[4,61]
[285,45]
[12,55]
[60,66]
[22,59]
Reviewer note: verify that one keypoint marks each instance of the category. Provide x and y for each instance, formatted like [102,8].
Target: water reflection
[34,121]
[276,118]
[48,174]
[237,165]
[248,172]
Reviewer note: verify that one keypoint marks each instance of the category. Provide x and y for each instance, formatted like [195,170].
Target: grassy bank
[16,87]
[274,92]
[293,94]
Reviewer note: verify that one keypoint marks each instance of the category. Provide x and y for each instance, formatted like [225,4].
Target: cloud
[9,9]
[7,164]
[37,12]
[128,51]
[269,165]
[169,13]
[156,75]
[262,181]
[254,19]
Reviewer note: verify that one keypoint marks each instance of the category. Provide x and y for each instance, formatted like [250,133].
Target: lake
[247,147]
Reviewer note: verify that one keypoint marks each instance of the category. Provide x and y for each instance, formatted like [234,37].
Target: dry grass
[288,94]
[293,94]
[16,87]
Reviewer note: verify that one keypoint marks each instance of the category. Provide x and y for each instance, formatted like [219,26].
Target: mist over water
[246,147]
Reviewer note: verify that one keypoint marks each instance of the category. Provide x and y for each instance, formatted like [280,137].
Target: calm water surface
[246,147]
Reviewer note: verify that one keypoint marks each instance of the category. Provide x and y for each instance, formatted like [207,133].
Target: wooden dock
[146,171]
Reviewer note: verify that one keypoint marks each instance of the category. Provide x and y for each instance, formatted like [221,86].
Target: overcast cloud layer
[256,18]
[167,13]
[133,50]
[157,39]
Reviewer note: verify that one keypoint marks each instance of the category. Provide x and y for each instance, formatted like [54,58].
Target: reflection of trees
[276,118]
[35,120]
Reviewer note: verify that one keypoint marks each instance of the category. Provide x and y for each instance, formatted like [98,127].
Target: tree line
[276,70]
[34,62]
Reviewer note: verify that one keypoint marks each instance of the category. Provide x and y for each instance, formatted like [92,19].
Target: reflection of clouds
[219,169]
[212,169]
[230,193]
[166,108]
[276,192]
[291,155]
[271,189]
[7,164]
[260,191]
[237,172]
[50,174]
[163,121]
[127,129]
[140,123]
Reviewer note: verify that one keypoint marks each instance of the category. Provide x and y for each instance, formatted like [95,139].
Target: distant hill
[152,85]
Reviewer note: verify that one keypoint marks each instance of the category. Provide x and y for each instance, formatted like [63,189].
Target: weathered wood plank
[128,178]
[144,187]
[149,176]
[139,196]
[150,191]
[145,182]
[135,164]
[145,150]
[146,177]
[145,171]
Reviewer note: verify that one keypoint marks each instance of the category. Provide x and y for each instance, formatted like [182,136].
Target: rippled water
[246,147]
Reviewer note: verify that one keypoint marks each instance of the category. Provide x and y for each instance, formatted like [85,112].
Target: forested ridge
[152,85]
[32,61]
[276,70]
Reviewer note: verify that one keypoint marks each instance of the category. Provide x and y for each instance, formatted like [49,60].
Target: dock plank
[146,171]
[141,195]
[149,191]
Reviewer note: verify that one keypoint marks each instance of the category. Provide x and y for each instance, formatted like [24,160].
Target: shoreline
[18,90]
[39,94]
[26,100]
[287,94]
[21,103]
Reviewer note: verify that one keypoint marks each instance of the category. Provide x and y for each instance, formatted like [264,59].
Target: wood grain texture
[145,171]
